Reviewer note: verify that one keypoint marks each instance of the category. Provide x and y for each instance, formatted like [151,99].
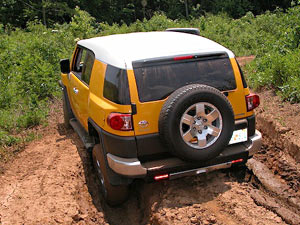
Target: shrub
[29,65]
[278,61]
[281,72]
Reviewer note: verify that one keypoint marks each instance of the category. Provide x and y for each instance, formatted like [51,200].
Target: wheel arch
[96,132]
[93,132]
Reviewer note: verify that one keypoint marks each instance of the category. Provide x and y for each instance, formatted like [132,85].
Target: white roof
[121,50]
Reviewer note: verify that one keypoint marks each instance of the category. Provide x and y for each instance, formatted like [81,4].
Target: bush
[278,71]
[278,61]
[8,140]
[81,25]
[29,65]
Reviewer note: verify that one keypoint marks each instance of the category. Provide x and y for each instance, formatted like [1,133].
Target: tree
[18,12]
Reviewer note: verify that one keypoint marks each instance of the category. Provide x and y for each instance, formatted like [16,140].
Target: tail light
[183,57]
[120,121]
[237,161]
[252,101]
[161,177]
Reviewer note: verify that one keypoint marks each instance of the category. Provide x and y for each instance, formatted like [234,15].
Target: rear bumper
[132,167]
[255,143]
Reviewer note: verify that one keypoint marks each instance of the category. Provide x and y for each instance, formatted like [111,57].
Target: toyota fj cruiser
[158,106]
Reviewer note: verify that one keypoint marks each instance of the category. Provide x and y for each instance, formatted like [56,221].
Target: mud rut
[53,182]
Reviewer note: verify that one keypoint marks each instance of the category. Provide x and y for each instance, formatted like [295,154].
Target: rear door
[156,79]
[79,83]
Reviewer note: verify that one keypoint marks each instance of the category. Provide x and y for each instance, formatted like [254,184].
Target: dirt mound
[215,198]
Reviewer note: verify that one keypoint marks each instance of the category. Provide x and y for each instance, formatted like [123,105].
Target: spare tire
[196,122]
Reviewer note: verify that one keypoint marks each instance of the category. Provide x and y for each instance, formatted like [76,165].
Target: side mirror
[65,66]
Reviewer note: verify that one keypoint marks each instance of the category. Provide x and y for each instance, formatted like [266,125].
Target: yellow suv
[157,106]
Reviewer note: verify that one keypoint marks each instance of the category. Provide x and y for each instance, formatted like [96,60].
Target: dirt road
[52,182]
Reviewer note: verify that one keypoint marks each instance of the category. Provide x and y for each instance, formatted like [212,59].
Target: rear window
[116,87]
[156,82]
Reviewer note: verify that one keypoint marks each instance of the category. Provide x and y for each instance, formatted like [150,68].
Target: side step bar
[84,136]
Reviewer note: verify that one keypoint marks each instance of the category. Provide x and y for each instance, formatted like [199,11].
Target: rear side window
[116,87]
[156,82]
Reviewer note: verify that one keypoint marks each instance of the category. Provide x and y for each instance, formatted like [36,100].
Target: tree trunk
[44,14]
[186,9]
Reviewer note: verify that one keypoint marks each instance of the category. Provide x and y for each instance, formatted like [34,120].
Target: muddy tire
[196,122]
[113,194]
[68,114]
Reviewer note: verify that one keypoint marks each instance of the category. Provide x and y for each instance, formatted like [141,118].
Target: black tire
[113,194]
[68,114]
[177,105]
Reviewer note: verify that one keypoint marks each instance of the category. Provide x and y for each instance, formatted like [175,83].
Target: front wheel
[113,194]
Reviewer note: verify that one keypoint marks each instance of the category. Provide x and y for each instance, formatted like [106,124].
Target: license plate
[239,136]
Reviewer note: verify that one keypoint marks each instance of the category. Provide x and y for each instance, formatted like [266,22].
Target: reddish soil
[52,182]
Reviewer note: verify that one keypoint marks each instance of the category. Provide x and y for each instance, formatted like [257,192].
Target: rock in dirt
[266,177]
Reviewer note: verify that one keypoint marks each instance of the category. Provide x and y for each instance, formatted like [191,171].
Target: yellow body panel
[237,97]
[238,100]
[95,107]
[148,111]
[100,107]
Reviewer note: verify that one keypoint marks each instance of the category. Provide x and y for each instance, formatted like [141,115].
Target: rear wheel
[113,194]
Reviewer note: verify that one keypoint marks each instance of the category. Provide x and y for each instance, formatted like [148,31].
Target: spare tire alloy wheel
[196,122]
[201,125]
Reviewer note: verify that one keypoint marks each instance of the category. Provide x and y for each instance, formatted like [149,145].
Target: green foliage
[18,12]
[156,23]
[278,61]
[81,25]
[8,140]
[278,71]
[29,70]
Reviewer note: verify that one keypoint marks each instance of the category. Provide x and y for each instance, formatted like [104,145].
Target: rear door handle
[75,90]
